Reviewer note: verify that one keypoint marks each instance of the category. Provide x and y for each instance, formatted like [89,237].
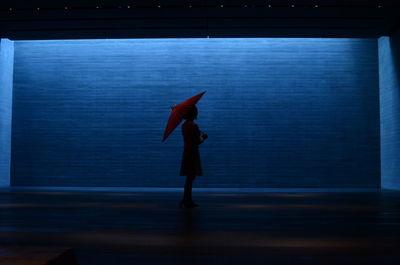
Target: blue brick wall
[6,84]
[389,78]
[279,112]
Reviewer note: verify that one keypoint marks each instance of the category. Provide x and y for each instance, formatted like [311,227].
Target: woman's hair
[191,114]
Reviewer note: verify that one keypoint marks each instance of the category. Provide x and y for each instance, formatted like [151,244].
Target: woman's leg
[187,194]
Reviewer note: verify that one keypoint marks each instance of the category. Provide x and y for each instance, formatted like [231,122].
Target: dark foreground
[149,228]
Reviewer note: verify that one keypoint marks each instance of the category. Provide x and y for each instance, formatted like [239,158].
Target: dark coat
[191,165]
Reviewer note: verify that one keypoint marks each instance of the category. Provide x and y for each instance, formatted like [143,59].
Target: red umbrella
[178,112]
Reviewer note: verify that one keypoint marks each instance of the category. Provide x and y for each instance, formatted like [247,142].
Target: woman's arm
[195,135]
[203,137]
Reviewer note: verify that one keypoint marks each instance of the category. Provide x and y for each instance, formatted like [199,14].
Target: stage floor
[112,228]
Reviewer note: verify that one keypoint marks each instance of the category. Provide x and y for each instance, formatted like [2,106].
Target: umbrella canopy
[178,112]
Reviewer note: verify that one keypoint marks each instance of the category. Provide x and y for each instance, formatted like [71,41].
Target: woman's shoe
[188,204]
[182,204]
[192,204]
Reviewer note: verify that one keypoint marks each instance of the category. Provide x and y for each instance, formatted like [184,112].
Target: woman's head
[191,114]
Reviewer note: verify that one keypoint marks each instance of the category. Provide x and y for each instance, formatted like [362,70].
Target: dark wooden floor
[149,228]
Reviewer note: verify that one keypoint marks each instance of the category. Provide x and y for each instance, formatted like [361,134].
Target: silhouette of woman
[191,165]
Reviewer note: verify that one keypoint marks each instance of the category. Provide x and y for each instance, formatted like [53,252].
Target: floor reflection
[226,228]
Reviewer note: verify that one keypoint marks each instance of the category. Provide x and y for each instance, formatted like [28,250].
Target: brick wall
[279,112]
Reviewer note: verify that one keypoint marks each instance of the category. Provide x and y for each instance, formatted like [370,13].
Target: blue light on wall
[6,83]
[389,76]
[279,112]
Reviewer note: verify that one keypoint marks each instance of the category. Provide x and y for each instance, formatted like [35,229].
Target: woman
[191,166]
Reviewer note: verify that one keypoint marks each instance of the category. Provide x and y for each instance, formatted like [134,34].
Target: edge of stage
[198,190]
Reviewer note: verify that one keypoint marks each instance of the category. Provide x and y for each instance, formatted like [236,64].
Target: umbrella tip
[202,93]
